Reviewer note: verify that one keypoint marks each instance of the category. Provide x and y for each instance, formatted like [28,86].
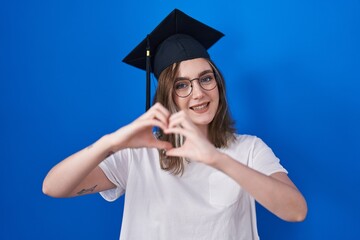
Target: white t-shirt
[202,204]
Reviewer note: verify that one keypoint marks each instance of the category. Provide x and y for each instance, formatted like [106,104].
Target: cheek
[181,103]
[216,99]
[215,95]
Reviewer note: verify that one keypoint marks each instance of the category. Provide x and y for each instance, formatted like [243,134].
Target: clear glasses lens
[183,88]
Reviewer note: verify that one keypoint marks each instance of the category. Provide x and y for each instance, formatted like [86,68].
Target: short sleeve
[116,167]
[264,159]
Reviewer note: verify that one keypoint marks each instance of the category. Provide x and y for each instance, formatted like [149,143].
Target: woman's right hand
[139,133]
[80,173]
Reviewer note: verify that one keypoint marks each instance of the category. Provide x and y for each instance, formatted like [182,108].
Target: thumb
[161,144]
[174,152]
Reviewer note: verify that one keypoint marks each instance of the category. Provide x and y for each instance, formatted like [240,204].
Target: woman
[198,180]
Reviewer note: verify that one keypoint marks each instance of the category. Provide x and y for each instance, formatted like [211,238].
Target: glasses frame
[191,85]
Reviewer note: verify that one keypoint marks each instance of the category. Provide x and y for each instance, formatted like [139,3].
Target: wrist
[216,158]
[107,144]
[112,143]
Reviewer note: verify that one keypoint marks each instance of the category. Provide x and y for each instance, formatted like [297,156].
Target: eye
[206,79]
[180,85]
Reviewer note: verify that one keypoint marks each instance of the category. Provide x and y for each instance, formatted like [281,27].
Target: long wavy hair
[221,130]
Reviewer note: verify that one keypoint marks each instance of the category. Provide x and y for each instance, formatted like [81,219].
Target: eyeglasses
[183,87]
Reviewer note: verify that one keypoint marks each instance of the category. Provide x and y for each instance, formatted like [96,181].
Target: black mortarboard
[177,38]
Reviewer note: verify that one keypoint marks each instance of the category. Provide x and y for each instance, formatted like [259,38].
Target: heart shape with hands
[139,134]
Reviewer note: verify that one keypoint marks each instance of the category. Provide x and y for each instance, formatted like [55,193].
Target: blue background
[292,71]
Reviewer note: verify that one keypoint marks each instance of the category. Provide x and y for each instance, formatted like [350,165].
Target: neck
[204,129]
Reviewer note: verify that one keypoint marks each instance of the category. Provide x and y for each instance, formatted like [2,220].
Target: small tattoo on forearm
[89,190]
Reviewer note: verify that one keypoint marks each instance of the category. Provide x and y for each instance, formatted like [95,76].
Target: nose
[197,91]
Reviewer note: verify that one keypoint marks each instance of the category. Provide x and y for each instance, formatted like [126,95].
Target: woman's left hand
[196,146]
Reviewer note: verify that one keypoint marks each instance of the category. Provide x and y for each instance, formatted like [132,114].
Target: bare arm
[79,173]
[277,193]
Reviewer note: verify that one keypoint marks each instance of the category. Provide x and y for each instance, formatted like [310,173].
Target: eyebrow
[199,75]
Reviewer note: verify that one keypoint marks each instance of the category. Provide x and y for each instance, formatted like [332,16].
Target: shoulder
[243,140]
[245,144]
[241,147]
[249,140]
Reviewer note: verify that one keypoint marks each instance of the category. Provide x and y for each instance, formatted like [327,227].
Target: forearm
[63,178]
[280,197]
[79,174]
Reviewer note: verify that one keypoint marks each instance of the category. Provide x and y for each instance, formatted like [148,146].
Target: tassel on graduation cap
[148,66]
[177,38]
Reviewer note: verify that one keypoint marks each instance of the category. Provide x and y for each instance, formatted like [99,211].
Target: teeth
[200,107]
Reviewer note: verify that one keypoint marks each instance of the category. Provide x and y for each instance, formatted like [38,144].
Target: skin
[79,174]
[193,69]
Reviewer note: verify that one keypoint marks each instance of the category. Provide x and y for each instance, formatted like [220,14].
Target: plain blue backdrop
[292,72]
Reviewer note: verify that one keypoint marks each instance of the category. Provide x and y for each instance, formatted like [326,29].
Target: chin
[202,120]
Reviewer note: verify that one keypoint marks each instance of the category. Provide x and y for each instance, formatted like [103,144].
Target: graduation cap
[177,38]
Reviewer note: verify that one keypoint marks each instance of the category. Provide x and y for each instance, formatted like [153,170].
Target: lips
[200,107]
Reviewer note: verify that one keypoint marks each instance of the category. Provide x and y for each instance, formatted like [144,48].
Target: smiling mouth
[200,107]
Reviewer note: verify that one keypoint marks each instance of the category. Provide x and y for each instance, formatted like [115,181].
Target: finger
[176,119]
[182,121]
[156,123]
[163,117]
[156,115]
[180,114]
[160,113]
[175,152]
[177,130]
[161,108]
[161,145]
[155,110]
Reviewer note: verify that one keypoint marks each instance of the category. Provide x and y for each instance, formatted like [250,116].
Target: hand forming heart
[139,134]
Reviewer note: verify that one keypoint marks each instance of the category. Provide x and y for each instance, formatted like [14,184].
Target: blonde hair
[220,131]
